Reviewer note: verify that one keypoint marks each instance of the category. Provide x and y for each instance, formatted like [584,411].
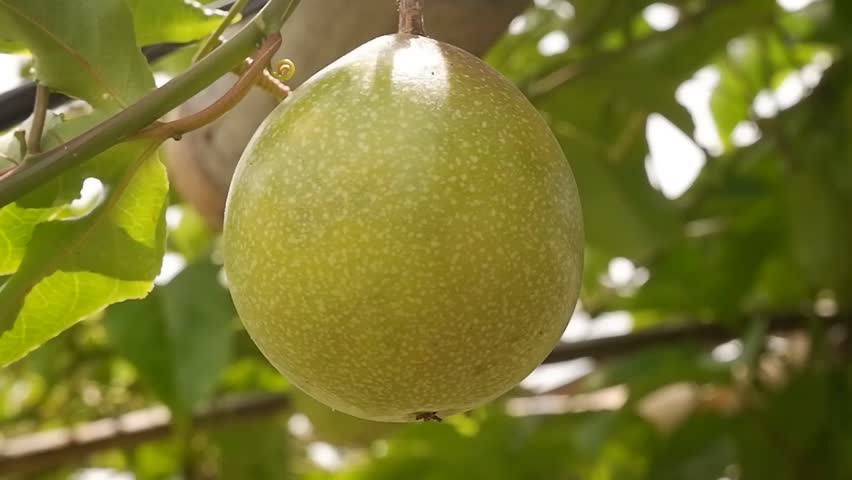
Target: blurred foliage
[763,230]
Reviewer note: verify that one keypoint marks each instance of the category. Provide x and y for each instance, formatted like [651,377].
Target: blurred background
[711,144]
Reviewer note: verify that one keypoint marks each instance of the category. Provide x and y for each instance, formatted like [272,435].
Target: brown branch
[411,17]
[711,334]
[43,450]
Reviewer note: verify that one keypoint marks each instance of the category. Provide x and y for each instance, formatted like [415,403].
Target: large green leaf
[48,201]
[646,371]
[758,62]
[157,460]
[84,49]
[730,101]
[599,109]
[192,237]
[623,214]
[703,448]
[178,21]
[800,436]
[256,450]
[16,230]
[591,445]
[593,17]
[716,272]
[7,45]
[18,220]
[644,75]
[819,227]
[75,267]
[178,337]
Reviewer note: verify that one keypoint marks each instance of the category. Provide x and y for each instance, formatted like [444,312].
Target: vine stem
[39,115]
[213,40]
[226,102]
[411,17]
[147,110]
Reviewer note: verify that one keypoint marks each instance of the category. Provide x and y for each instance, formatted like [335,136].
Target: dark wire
[17,104]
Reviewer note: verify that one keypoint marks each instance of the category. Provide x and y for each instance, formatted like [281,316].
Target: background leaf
[167,21]
[190,319]
[256,450]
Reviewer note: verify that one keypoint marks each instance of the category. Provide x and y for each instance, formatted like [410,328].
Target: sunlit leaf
[94,57]
[177,21]
[75,267]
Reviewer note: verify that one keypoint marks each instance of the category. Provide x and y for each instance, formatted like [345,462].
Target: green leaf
[338,428]
[800,436]
[734,261]
[62,189]
[730,102]
[700,449]
[83,49]
[594,16]
[157,460]
[738,227]
[16,230]
[646,371]
[591,445]
[192,238]
[624,215]
[9,45]
[17,221]
[75,267]
[256,450]
[599,112]
[172,21]
[819,228]
[175,62]
[178,338]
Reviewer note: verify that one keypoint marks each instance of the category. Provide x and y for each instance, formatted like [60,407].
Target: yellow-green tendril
[284,70]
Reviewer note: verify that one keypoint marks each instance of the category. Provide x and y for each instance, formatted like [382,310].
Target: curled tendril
[284,70]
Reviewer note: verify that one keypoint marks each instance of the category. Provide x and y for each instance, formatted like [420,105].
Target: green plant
[737,362]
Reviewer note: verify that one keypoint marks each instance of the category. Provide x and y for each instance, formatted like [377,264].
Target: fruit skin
[403,235]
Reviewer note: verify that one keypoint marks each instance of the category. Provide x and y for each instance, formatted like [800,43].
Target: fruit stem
[411,17]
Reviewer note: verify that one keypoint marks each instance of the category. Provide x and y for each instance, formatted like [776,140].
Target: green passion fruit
[403,236]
